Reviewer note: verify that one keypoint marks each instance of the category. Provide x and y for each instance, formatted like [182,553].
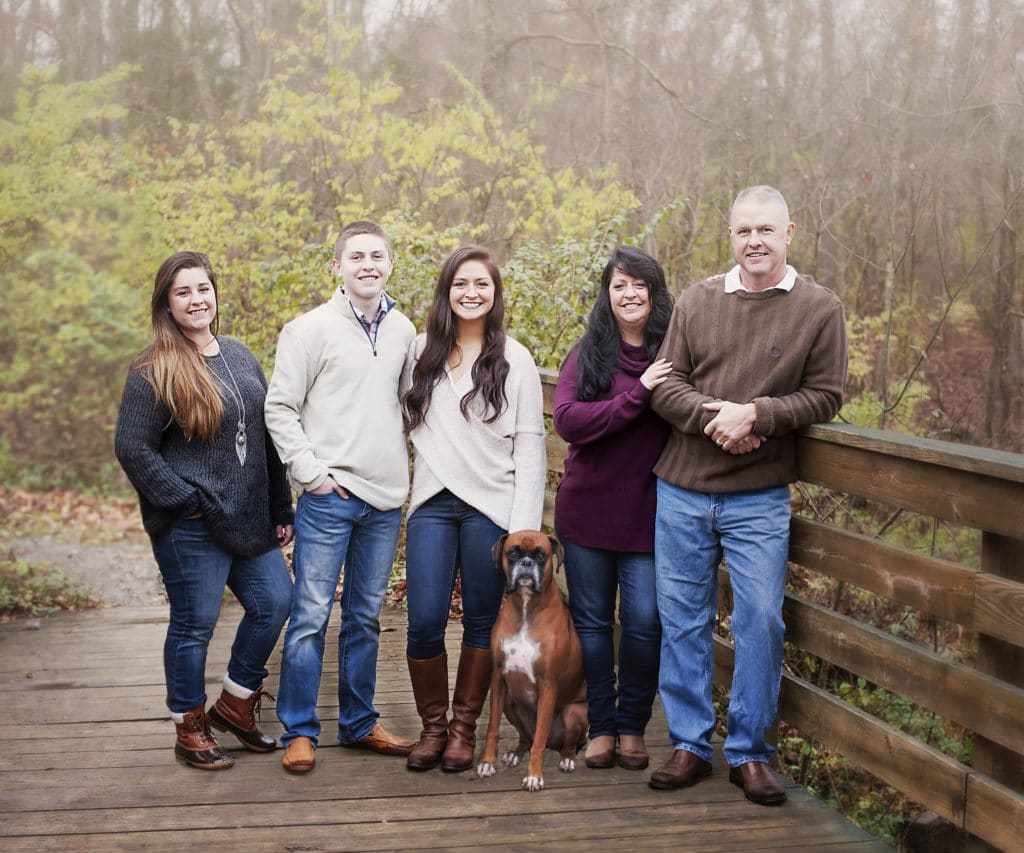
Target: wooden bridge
[87,762]
[88,765]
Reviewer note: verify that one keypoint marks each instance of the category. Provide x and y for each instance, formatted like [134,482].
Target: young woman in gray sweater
[215,501]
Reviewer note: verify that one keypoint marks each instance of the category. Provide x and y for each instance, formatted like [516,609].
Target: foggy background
[252,129]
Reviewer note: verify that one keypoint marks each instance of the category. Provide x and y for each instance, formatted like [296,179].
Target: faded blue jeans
[444,536]
[331,532]
[195,570]
[594,576]
[692,532]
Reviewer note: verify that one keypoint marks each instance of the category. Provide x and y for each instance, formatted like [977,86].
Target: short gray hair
[761,192]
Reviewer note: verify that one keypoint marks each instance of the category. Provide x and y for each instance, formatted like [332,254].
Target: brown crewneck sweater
[783,351]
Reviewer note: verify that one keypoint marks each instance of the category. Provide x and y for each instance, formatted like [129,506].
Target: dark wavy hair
[491,367]
[599,346]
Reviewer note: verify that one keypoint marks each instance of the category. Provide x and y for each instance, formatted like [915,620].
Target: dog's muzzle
[525,574]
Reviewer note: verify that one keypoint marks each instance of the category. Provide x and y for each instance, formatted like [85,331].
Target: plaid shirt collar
[372,325]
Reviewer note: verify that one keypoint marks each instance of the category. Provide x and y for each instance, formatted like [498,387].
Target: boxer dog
[538,663]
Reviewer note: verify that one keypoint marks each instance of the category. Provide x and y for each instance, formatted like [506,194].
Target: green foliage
[877,807]
[865,409]
[919,533]
[36,590]
[908,717]
[92,203]
[276,290]
[551,288]
[862,334]
[905,390]
[69,319]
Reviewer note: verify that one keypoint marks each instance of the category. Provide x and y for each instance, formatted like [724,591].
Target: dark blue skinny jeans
[594,576]
[444,536]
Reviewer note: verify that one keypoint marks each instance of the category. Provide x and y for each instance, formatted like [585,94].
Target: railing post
[1002,556]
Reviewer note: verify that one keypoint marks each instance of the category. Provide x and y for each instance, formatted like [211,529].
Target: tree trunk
[1005,409]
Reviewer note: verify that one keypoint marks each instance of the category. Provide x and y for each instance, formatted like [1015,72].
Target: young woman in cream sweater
[474,411]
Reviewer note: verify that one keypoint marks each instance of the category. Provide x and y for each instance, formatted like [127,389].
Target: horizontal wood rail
[969,486]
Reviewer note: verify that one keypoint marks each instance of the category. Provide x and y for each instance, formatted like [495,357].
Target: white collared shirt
[733,283]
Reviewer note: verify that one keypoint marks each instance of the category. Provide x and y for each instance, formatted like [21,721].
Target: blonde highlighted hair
[173,365]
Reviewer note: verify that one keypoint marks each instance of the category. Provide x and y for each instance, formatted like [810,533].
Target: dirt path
[122,573]
[96,541]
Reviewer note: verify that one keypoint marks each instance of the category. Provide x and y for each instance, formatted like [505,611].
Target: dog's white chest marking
[520,653]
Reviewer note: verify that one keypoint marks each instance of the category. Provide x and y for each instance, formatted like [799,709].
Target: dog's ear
[499,546]
[557,552]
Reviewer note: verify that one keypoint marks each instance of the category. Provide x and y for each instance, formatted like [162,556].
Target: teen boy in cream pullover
[333,404]
[333,412]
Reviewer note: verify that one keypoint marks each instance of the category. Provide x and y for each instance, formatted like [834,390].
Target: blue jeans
[195,570]
[692,532]
[443,536]
[593,576]
[329,532]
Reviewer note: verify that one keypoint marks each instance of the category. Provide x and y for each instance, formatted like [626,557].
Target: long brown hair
[491,367]
[173,365]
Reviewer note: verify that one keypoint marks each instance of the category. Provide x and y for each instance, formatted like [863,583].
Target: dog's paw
[485,769]
[510,759]
[533,783]
[567,765]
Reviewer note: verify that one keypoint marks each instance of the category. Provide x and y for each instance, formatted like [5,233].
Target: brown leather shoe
[633,754]
[600,752]
[299,756]
[759,784]
[381,740]
[680,771]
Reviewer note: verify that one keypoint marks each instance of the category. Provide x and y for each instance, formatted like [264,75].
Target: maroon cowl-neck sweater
[607,495]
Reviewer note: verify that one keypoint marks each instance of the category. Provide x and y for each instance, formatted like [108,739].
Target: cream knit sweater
[497,468]
[333,408]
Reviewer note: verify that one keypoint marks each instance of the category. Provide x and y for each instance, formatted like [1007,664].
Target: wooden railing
[971,487]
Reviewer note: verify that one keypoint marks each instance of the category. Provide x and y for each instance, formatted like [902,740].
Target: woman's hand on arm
[656,373]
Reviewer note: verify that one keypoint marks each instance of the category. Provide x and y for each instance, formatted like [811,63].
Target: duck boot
[430,689]
[238,714]
[471,685]
[196,745]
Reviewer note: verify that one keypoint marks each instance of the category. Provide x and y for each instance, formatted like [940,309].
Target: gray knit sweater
[783,351]
[175,477]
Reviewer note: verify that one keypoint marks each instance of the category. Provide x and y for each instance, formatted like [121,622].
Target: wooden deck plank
[400,807]
[704,827]
[88,765]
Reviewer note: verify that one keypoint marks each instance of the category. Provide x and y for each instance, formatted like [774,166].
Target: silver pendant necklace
[236,395]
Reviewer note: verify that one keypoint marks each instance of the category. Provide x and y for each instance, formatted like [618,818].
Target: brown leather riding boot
[430,689]
[471,685]
[197,746]
[238,716]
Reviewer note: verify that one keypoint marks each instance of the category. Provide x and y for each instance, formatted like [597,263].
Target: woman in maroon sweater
[604,512]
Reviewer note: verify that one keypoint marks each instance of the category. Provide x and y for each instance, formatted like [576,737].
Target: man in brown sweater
[757,354]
